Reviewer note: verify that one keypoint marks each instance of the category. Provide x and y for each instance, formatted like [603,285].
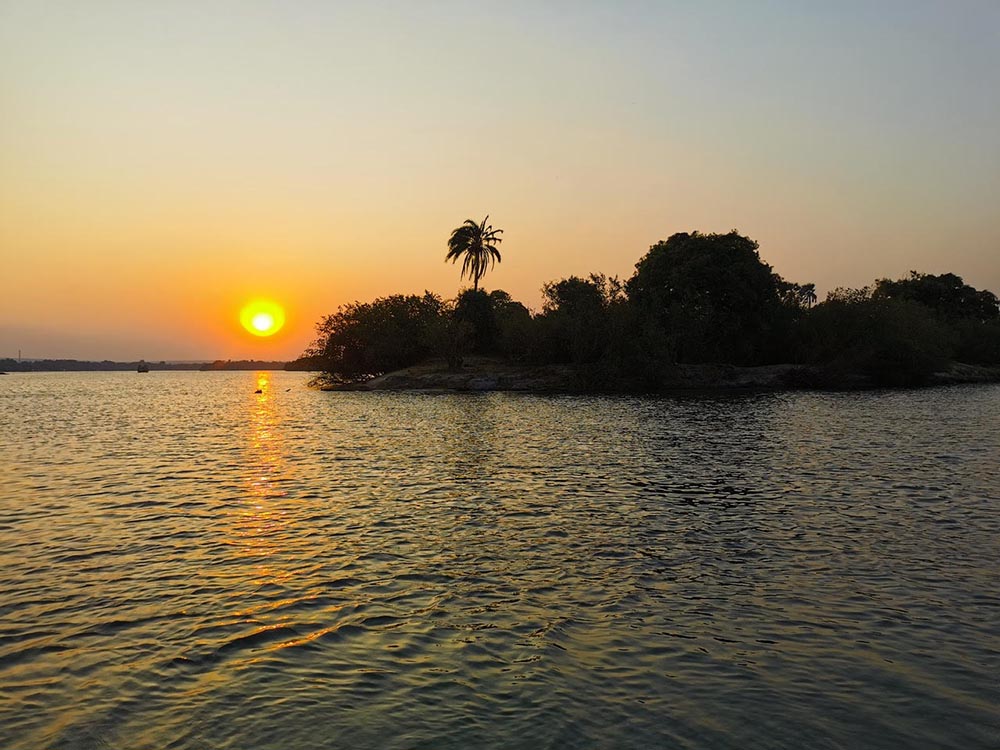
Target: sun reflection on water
[260,519]
[266,454]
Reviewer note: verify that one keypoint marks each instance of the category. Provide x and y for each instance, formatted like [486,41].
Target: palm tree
[477,242]
[808,294]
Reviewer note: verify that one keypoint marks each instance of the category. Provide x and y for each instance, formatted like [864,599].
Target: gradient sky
[162,162]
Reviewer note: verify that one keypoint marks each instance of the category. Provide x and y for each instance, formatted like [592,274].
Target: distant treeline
[694,298]
[75,365]
[79,365]
[243,364]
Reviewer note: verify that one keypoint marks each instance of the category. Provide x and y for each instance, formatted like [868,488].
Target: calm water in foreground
[185,564]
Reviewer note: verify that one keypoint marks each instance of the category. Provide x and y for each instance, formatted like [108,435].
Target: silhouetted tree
[576,316]
[893,342]
[795,296]
[977,342]
[848,295]
[972,315]
[474,308]
[513,324]
[710,294]
[451,337]
[476,244]
[362,340]
[947,295]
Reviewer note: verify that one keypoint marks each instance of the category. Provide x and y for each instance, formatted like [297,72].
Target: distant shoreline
[79,365]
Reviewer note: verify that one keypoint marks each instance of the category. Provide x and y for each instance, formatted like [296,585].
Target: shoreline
[481,374]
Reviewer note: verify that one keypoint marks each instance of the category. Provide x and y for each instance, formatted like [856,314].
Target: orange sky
[160,164]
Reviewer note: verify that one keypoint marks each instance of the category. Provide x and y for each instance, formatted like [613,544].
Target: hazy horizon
[149,360]
[160,164]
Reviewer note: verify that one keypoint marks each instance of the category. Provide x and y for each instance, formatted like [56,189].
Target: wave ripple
[186,564]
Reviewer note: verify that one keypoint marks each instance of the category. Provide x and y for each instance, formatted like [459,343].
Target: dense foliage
[711,296]
[694,298]
[892,342]
[365,339]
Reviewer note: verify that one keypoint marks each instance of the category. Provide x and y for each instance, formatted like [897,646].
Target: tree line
[693,299]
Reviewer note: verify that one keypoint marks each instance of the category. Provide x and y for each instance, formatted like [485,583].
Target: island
[701,312]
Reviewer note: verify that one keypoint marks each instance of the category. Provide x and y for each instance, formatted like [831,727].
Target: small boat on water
[143,367]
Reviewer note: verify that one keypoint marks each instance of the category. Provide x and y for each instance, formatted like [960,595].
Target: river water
[186,564]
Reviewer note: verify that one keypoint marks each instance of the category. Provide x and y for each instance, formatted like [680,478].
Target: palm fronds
[476,243]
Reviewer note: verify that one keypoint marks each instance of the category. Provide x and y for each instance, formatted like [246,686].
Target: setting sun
[262,317]
[262,322]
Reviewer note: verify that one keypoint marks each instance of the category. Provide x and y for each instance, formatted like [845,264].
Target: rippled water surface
[187,564]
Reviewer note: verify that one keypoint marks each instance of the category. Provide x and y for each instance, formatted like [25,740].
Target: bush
[977,343]
[893,342]
[362,340]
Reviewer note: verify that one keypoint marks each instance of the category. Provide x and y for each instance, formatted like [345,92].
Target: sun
[262,322]
[262,317]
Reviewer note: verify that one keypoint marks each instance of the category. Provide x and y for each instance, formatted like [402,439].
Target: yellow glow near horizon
[262,317]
